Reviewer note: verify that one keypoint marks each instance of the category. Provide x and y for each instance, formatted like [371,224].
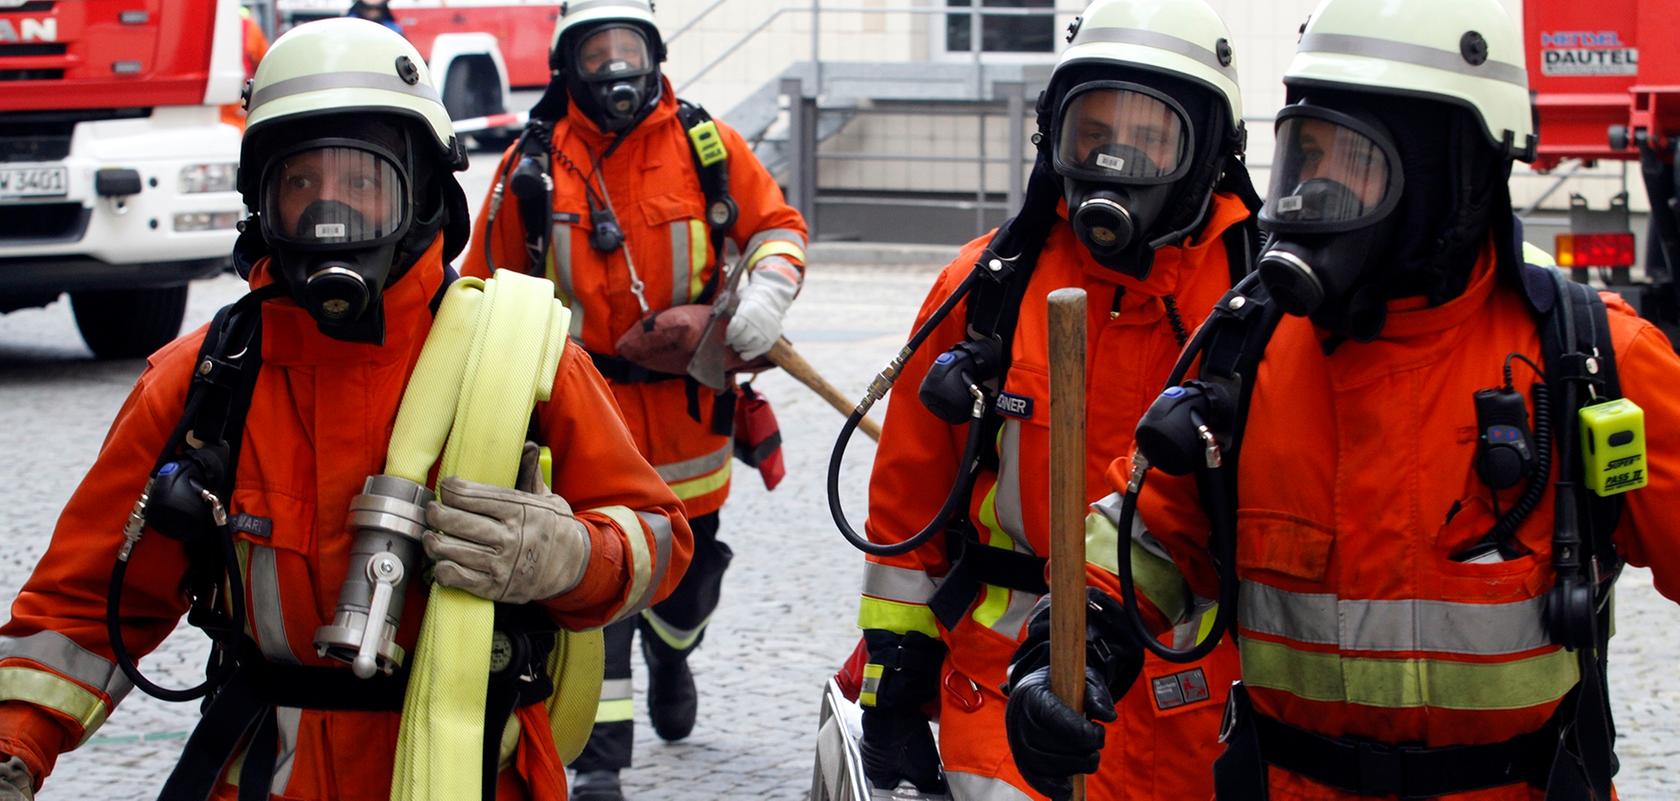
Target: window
[1001,33]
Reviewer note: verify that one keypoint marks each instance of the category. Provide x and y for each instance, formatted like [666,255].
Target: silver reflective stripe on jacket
[696,467]
[901,584]
[267,616]
[975,787]
[1471,629]
[560,250]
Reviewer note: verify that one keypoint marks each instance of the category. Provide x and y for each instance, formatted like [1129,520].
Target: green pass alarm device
[1613,445]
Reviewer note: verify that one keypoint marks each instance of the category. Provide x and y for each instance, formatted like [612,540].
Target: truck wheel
[128,323]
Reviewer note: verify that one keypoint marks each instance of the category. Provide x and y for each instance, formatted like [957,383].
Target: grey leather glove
[15,782]
[510,545]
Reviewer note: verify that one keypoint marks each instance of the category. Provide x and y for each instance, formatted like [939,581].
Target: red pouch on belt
[758,440]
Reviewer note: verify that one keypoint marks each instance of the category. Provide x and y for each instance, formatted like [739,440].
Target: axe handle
[785,357]
[1067,502]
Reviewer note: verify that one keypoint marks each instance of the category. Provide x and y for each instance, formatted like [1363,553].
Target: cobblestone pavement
[789,601]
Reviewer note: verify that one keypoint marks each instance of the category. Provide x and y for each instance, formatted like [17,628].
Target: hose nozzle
[388,519]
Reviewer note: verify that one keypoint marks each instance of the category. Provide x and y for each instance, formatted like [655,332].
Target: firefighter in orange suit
[636,223]
[1445,458]
[1148,209]
[348,262]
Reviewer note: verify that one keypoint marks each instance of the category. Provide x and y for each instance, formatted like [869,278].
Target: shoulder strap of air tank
[1590,360]
[711,164]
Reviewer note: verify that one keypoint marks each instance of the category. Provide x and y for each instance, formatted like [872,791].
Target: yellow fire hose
[490,357]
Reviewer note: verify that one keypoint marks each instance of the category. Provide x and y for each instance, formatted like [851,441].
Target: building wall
[1264,33]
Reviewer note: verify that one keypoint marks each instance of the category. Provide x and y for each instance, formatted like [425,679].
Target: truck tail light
[1595,250]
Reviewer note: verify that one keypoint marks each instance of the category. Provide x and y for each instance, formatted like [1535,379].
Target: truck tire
[128,323]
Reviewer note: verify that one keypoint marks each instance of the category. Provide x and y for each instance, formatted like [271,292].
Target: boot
[672,699]
[597,785]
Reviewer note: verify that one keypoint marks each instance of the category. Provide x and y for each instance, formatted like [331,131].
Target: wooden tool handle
[785,357]
[1067,502]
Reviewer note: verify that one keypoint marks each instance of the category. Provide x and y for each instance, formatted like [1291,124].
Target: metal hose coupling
[387,519]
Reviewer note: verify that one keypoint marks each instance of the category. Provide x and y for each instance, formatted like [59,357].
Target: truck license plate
[32,182]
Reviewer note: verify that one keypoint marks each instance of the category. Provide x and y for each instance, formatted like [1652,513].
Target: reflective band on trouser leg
[479,375]
[560,272]
[615,702]
[677,638]
[974,787]
[698,476]
[1408,683]
[50,690]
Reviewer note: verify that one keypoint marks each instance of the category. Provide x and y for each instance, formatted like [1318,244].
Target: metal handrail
[693,20]
[776,14]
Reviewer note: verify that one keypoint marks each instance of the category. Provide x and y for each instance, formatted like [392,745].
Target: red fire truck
[116,172]
[1606,78]
[478,50]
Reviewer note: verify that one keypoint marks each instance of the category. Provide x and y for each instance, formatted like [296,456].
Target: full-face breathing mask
[1121,149]
[613,76]
[1336,180]
[334,213]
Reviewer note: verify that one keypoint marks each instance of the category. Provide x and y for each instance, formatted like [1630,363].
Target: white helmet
[1465,52]
[344,66]
[1178,38]
[577,14]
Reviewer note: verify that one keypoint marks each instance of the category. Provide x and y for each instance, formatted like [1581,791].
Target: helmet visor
[1111,131]
[333,195]
[613,52]
[1331,172]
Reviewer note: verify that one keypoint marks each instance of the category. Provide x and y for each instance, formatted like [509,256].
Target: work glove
[1049,740]
[511,545]
[15,782]
[902,676]
[757,323]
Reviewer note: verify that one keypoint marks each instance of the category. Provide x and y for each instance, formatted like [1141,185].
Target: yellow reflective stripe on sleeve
[699,250]
[1160,583]
[1408,683]
[878,613]
[871,683]
[776,248]
[641,559]
[18,683]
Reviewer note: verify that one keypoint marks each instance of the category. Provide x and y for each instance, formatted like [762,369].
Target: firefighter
[253,46]
[640,212]
[347,166]
[1424,523]
[375,11]
[1139,197]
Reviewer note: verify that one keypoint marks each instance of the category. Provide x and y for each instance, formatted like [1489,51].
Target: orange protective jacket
[1155,750]
[320,420]
[655,192]
[1356,484]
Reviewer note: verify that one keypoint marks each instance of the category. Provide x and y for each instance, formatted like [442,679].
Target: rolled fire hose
[479,375]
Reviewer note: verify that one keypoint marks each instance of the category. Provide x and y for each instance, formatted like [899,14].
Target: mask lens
[333,196]
[1326,173]
[1116,134]
[612,53]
